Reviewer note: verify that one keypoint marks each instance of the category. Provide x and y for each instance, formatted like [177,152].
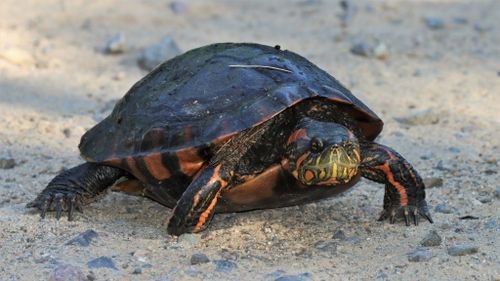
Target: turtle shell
[209,94]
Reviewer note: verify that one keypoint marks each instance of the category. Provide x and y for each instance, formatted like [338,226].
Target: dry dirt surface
[430,69]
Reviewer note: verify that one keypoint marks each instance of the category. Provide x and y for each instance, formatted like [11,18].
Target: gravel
[84,238]
[432,239]
[67,272]
[102,262]
[462,250]
[199,258]
[419,255]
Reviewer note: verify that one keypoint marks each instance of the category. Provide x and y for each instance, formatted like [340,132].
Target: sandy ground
[55,82]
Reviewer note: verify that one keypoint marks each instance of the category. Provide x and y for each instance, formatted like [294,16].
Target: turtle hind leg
[404,189]
[74,188]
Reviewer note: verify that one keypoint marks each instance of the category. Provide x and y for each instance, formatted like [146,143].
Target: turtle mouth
[335,165]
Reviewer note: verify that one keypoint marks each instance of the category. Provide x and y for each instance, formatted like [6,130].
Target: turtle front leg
[404,188]
[196,207]
[75,187]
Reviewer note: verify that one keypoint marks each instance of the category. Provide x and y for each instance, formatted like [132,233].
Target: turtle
[233,127]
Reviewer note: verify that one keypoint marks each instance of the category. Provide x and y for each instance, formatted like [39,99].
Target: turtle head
[322,153]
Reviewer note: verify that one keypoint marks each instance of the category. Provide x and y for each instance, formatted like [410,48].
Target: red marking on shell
[134,170]
[155,166]
[189,161]
[298,134]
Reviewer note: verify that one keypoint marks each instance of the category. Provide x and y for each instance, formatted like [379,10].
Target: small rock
[189,240]
[424,117]
[443,166]
[491,224]
[7,162]
[137,270]
[482,28]
[434,22]
[225,266]
[454,149]
[431,182]
[419,255]
[102,262]
[17,56]
[158,53]
[460,20]
[380,51]
[67,272]
[443,208]
[497,192]
[326,246]
[116,44]
[432,239]
[348,12]
[192,272]
[84,238]
[362,49]
[67,132]
[299,277]
[339,235]
[427,155]
[178,7]
[462,250]
[199,258]
[381,275]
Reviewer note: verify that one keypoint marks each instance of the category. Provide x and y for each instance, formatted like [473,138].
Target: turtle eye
[316,145]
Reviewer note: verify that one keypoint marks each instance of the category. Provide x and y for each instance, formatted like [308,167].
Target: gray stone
[424,117]
[137,270]
[159,53]
[299,277]
[434,22]
[497,192]
[432,239]
[102,262]
[382,275]
[199,258]
[443,166]
[326,247]
[348,11]
[443,208]
[178,7]
[462,250]
[225,266]
[339,235]
[454,149]
[189,240]
[116,44]
[84,238]
[381,51]
[67,272]
[427,155]
[431,182]
[362,49]
[491,224]
[6,161]
[419,255]
[67,132]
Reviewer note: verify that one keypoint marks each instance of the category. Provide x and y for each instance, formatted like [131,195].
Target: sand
[436,88]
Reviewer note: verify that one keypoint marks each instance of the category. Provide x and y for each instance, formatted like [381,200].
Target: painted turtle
[235,127]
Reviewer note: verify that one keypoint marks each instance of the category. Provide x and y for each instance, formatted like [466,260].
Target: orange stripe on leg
[403,197]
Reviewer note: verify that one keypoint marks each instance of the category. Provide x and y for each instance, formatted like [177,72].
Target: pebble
[381,51]
[432,239]
[225,266]
[348,12]
[67,132]
[299,277]
[326,247]
[381,275]
[443,208]
[462,250]
[434,22]
[67,272]
[431,182]
[116,44]
[424,117]
[419,255]
[17,56]
[491,224]
[362,49]
[189,240]
[7,162]
[137,270]
[84,238]
[339,235]
[102,262]
[497,192]
[158,53]
[199,258]
[443,166]
[454,149]
[178,7]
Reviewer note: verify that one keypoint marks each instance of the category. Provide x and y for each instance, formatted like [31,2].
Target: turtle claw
[409,213]
[58,201]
